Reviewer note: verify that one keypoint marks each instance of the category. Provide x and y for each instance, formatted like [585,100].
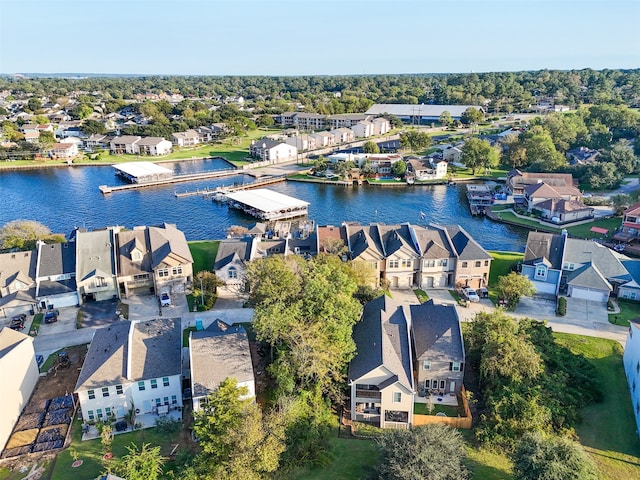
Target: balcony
[368,393]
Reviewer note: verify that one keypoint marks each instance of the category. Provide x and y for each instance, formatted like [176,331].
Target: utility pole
[201,292]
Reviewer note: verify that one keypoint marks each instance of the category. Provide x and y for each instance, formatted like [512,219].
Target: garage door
[542,287]
[594,295]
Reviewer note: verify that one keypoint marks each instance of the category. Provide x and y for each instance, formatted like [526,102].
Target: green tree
[81,111]
[265,121]
[46,139]
[540,152]
[566,130]
[399,168]
[370,147]
[513,287]
[415,140]
[551,458]
[91,127]
[236,440]
[23,234]
[368,168]
[141,464]
[622,156]
[34,104]
[445,118]
[471,116]
[409,454]
[205,287]
[478,153]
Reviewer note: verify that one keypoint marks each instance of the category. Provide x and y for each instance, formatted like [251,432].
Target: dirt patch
[60,382]
[260,357]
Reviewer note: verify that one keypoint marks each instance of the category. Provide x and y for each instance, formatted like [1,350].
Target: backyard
[501,265]
[204,254]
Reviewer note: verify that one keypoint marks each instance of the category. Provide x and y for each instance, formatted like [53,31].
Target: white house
[363,129]
[302,142]
[323,139]
[381,126]
[273,151]
[231,259]
[152,146]
[631,361]
[215,354]
[124,144]
[187,138]
[64,150]
[56,275]
[18,376]
[343,135]
[132,367]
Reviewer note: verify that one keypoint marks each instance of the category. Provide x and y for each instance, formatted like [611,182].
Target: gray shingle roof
[166,239]
[57,259]
[216,356]
[18,265]
[94,253]
[587,251]
[394,237]
[465,245]
[588,277]
[362,238]
[436,332]
[105,363]
[542,245]
[229,249]
[433,243]
[381,339]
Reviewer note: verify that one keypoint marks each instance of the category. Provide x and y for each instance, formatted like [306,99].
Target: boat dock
[236,187]
[480,198]
[105,189]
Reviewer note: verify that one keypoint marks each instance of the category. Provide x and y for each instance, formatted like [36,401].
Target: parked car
[51,316]
[165,299]
[471,295]
[17,321]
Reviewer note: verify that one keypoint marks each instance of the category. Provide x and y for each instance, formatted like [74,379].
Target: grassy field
[584,231]
[502,264]
[628,310]
[90,452]
[349,459]
[204,254]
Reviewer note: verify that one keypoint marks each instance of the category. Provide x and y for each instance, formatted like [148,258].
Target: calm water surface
[67,197]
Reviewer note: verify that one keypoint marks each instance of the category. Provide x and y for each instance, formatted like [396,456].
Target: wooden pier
[105,189]
[232,188]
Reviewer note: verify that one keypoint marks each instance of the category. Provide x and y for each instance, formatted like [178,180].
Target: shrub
[561,310]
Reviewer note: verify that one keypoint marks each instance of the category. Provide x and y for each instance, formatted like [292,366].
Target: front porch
[147,420]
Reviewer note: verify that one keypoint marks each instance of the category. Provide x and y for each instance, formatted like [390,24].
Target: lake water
[62,198]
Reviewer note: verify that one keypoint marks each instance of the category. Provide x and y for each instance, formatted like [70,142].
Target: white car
[165,299]
[471,295]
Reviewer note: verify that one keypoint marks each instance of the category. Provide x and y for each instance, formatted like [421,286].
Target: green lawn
[608,428]
[628,310]
[422,295]
[449,411]
[35,324]
[487,465]
[502,264]
[349,459]
[584,231]
[204,254]
[90,452]
[510,217]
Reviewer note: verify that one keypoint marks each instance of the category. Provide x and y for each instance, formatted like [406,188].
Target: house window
[154,383]
[176,270]
[99,413]
[165,381]
[142,276]
[394,263]
[91,394]
[91,415]
[141,386]
[456,366]
[233,273]
[426,365]
[429,263]
[444,262]
[107,411]
[118,389]
[163,273]
[478,263]
[158,403]
[486,263]
[441,383]
[397,397]
[166,400]
[464,264]
[105,391]
[174,400]
[407,263]
[541,271]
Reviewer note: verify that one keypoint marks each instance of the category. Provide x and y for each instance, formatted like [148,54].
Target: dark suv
[51,316]
[17,322]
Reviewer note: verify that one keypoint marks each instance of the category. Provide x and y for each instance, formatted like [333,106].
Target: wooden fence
[454,422]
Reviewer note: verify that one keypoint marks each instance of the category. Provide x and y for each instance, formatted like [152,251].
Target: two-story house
[472,261]
[381,373]
[438,348]
[56,275]
[343,135]
[402,259]
[231,260]
[274,151]
[437,258]
[96,264]
[365,245]
[17,282]
[542,263]
[132,368]
[630,228]
[156,258]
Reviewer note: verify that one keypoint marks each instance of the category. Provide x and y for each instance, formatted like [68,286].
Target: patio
[147,420]
[437,399]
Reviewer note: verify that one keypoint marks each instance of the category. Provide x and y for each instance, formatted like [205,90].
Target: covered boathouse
[142,172]
[268,205]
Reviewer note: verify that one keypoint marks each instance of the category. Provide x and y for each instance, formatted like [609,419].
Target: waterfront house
[98,140]
[187,138]
[215,354]
[517,180]
[429,168]
[540,192]
[437,257]
[438,348]
[155,258]
[17,282]
[452,154]
[332,240]
[31,137]
[563,211]
[132,368]
[381,372]
[231,260]
[273,151]
[343,135]
[631,362]
[96,265]
[18,377]
[124,144]
[363,129]
[365,245]
[64,150]
[472,261]
[402,259]
[55,275]
[152,146]
[302,142]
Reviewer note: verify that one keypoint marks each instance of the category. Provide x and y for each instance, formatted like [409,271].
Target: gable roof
[17,266]
[56,259]
[396,237]
[132,351]
[363,239]
[542,245]
[94,253]
[464,244]
[433,243]
[232,249]
[588,276]
[9,340]
[165,240]
[436,332]
[579,251]
[218,355]
[382,340]
[633,209]
[555,205]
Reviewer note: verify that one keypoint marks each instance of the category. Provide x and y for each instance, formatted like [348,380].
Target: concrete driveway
[536,307]
[66,322]
[99,314]
[586,311]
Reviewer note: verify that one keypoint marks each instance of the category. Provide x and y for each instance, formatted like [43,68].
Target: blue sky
[309,37]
